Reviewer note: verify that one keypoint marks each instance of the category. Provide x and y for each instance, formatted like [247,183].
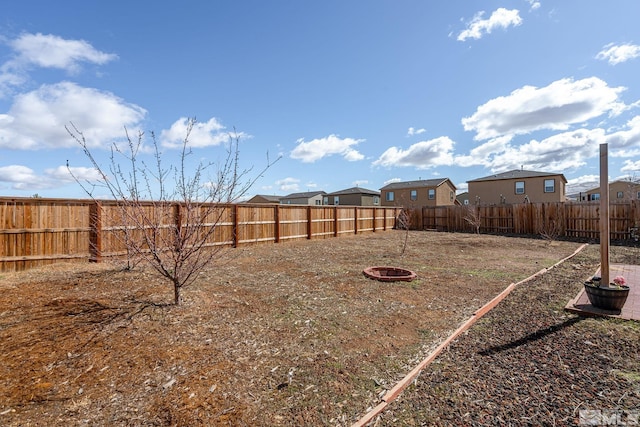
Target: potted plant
[608,297]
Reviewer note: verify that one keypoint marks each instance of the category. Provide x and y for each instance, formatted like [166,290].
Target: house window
[620,195]
[451,196]
[336,200]
[519,187]
[595,196]
[466,201]
[376,200]
[390,196]
[549,185]
[318,202]
[432,194]
[638,195]
[325,200]
[414,194]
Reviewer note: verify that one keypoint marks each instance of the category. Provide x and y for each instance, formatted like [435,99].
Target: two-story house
[618,191]
[517,186]
[424,192]
[308,198]
[354,196]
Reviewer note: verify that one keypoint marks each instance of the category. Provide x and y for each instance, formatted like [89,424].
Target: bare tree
[551,229]
[472,217]
[170,214]
[403,222]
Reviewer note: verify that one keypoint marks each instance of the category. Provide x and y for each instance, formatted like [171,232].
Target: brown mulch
[294,334]
[529,363]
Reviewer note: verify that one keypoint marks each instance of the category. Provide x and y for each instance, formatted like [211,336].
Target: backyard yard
[294,334]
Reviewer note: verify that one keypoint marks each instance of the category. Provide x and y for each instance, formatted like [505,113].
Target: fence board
[574,220]
[35,232]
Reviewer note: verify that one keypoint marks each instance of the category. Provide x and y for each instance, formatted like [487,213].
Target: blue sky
[349,93]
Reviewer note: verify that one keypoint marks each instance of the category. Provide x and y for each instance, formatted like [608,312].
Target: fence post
[355,220]
[335,221]
[374,218]
[276,216]
[384,222]
[95,232]
[309,228]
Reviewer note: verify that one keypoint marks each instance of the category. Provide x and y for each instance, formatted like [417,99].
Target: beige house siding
[314,199]
[353,200]
[618,191]
[353,197]
[502,190]
[443,191]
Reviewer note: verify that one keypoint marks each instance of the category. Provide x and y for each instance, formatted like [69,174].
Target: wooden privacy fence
[570,219]
[36,232]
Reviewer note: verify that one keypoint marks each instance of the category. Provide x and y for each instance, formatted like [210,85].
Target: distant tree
[174,237]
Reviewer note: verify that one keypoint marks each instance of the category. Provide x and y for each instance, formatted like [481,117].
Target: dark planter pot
[606,298]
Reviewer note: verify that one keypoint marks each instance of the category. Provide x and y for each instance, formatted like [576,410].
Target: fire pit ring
[389,274]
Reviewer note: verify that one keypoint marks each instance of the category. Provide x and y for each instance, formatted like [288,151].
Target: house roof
[517,173]
[417,184]
[307,195]
[355,190]
[270,198]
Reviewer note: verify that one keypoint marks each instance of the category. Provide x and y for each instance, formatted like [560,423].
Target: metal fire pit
[389,274]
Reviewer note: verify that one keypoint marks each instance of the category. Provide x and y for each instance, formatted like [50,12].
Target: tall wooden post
[605,236]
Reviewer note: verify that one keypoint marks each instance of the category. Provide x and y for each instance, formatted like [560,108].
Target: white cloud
[46,51]
[203,134]
[413,131]
[37,119]
[316,149]
[500,18]
[288,184]
[461,187]
[23,178]
[559,152]
[625,139]
[616,54]
[630,166]
[482,154]
[534,5]
[392,180]
[20,177]
[61,174]
[582,183]
[49,51]
[422,155]
[556,107]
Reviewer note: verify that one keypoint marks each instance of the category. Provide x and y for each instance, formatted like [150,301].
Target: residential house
[463,198]
[517,186]
[261,198]
[618,191]
[424,192]
[354,196]
[308,198]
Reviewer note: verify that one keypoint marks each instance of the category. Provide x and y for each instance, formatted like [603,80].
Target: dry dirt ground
[294,334]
